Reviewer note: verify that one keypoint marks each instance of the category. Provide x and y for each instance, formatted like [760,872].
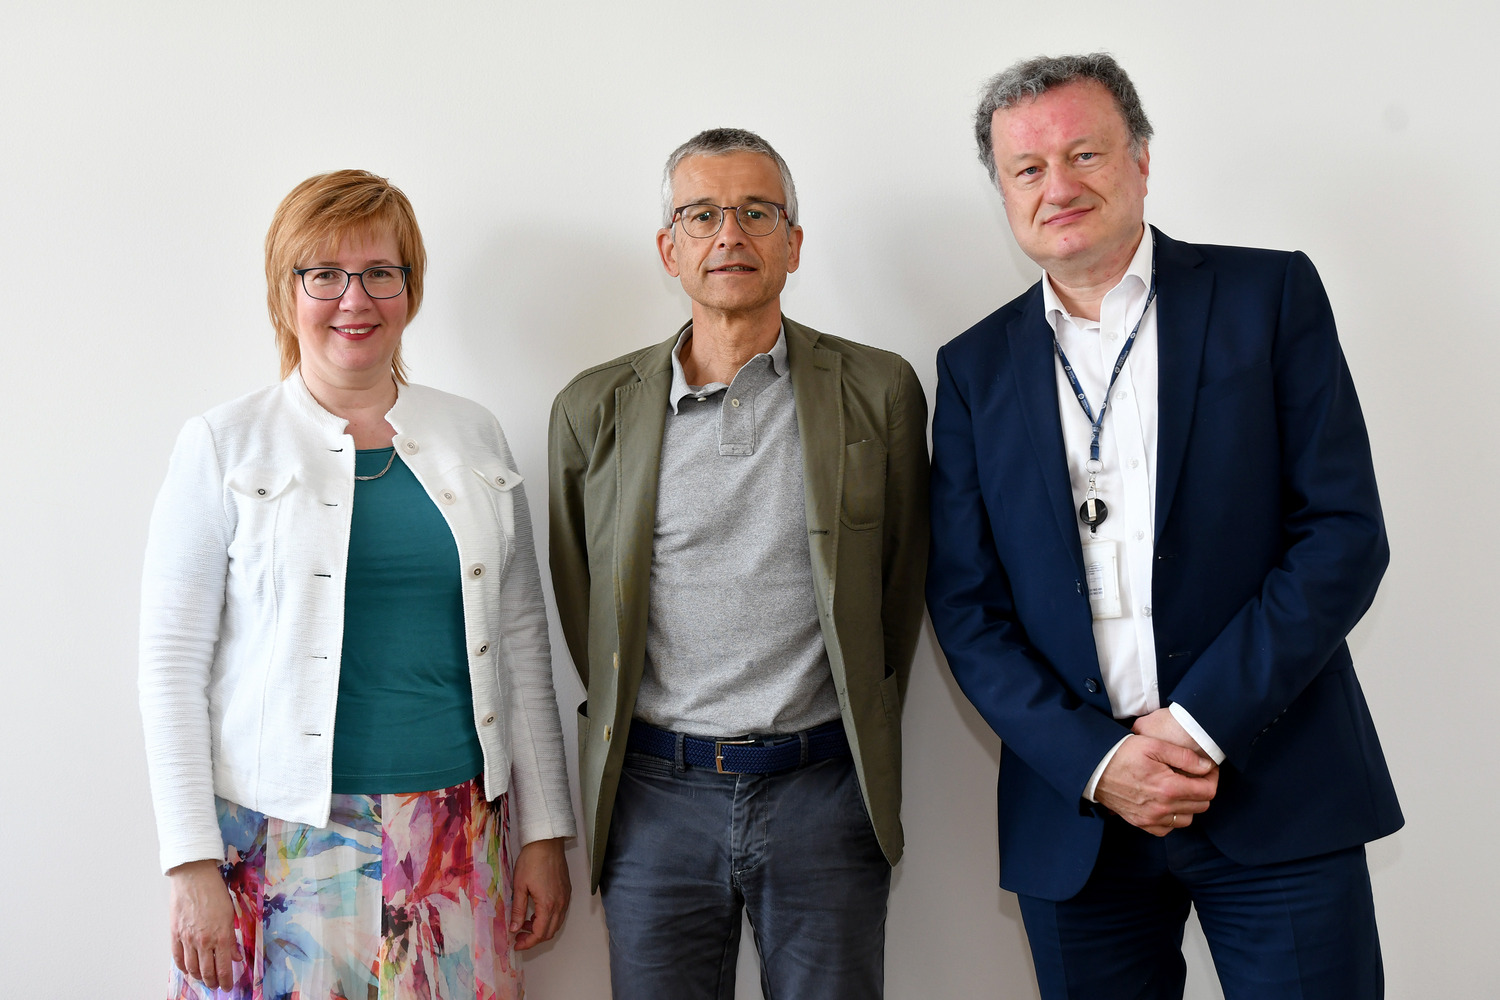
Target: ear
[794,250]
[668,251]
[1144,165]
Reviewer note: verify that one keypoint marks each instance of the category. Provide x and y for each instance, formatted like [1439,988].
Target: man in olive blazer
[860,420]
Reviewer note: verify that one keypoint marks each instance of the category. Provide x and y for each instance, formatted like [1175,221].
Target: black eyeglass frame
[724,211]
[405,269]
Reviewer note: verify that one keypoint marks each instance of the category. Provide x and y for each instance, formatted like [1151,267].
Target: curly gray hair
[1032,78]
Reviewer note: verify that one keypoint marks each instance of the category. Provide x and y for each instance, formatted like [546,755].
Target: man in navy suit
[1154,522]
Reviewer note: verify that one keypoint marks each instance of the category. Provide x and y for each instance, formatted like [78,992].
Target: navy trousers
[691,849]
[1303,929]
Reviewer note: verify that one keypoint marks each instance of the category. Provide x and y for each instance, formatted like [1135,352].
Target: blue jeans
[1301,929]
[690,848]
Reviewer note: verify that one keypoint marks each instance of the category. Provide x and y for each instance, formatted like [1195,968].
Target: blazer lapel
[1184,291]
[818,392]
[1034,369]
[640,420]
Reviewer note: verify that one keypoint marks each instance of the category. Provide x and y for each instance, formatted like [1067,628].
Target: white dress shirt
[1126,642]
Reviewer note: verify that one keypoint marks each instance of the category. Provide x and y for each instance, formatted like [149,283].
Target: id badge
[1101,564]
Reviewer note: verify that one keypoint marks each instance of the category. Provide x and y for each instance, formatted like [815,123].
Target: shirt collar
[680,387]
[1135,280]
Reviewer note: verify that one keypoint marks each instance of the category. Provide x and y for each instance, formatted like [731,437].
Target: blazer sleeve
[182,605]
[568,553]
[904,552]
[974,613]
[539,769]
[1335,542]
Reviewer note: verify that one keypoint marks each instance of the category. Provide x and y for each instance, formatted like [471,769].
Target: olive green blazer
[862,419]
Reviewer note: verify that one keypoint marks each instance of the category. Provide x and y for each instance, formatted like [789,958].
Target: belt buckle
[719,746]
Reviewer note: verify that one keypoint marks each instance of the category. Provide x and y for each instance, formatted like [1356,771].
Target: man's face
[730,272]
[1074,194]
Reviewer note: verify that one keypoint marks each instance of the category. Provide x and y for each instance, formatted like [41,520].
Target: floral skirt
[399,897]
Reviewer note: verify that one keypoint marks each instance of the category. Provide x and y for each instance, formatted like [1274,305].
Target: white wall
[143,148]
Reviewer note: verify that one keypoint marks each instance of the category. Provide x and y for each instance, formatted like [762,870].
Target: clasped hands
[1160,778]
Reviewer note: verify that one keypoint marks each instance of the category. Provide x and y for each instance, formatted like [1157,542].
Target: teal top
[405,710]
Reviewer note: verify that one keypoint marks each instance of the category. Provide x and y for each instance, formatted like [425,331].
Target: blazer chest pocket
[258,493]
[863,503]
[501,482]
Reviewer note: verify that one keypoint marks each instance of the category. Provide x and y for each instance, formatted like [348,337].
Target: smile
[733,269]
[1066,216]
[354,331]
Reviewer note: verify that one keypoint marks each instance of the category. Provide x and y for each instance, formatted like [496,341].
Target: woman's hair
[320,213]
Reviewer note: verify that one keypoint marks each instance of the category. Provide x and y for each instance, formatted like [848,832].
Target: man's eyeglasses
[756,218]
[385,281]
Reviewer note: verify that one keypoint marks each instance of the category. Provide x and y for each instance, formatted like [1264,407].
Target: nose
[354,296]
[1062,185]
[739,238]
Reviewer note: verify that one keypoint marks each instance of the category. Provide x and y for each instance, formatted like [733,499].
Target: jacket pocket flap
[259,483]
[499,477]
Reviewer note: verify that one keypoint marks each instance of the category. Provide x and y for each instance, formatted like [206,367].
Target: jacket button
[617,659]
[1079,585]
[484,647]
[446,496]
[410,447]
[608,732]
[261,492]
[499,480]
[1091,685]
[488,720]
[476,570]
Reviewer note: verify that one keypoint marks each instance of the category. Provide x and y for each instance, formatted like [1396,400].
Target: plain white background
[143,148]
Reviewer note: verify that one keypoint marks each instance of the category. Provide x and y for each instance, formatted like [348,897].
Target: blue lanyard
[1083,400]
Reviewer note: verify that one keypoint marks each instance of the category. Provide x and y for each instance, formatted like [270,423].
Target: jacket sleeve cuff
[1088,790]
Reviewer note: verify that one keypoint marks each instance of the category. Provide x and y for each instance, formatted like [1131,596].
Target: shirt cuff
[1186,721]
[1088,790]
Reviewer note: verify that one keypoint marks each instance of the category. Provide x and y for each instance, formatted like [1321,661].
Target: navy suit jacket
[1269,547]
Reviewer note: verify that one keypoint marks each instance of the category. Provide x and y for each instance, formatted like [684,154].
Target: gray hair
[719,142]
[1032,78]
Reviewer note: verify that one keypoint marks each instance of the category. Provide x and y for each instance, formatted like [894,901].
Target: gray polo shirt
[733,644]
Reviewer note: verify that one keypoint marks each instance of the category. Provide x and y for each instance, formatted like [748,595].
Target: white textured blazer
[242,611]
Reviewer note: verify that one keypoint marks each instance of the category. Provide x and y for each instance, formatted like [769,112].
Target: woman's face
[349,341]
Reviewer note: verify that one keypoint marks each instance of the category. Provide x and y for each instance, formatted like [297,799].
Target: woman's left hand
[541,884]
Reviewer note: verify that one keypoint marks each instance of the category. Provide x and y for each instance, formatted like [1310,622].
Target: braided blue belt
[745,755]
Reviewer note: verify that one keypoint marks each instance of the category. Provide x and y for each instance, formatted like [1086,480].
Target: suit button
[476,570]
[608,732]
[617,659]
[488,720]
[1079,585]
[484,647]
[447,496]
[410,447]
[1091,685]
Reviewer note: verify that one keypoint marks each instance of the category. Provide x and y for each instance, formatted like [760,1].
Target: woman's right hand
[202,923]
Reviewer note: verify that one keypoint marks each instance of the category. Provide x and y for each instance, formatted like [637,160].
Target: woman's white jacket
[242,611]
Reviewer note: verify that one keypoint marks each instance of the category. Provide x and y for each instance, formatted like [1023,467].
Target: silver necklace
[388,463]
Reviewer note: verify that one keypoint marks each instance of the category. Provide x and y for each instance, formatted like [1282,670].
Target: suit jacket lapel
[1034,369]
[818,392]
[1183,293]
[640,420]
